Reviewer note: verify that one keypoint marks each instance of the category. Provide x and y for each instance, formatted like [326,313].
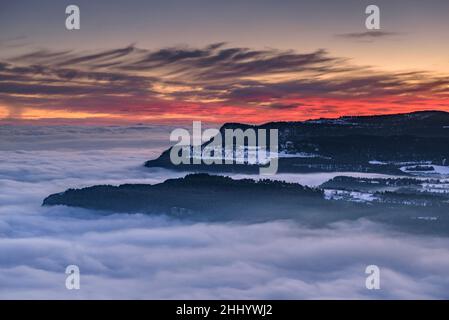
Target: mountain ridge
[207,198]
[351,143]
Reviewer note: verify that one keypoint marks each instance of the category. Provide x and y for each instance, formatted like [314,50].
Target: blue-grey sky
[161,61]
[422,26]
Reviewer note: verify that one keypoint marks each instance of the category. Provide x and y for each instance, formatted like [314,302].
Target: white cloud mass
[140,256]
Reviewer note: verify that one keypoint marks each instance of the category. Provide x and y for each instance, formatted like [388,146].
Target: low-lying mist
[140,256]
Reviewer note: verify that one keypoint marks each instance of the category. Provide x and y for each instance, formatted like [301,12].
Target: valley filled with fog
[155,256]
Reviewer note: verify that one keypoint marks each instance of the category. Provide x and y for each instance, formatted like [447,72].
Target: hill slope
[380,144]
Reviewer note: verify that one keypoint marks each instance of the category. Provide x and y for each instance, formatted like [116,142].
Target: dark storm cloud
[368,34]
[281,106]
[101,56]
[41,79]
[39,55]
[369,86]
[213,60]
[231,74]
[13,88]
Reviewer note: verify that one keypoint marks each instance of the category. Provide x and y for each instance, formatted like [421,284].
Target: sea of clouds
[139,256]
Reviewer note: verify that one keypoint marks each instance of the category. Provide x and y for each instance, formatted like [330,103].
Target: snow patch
[355,196]
[377,162]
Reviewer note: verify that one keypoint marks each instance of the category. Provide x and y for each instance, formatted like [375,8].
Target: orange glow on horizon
[36,114]
[3,112]
[313,109]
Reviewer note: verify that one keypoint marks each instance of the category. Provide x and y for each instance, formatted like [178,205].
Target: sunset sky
[249,61]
